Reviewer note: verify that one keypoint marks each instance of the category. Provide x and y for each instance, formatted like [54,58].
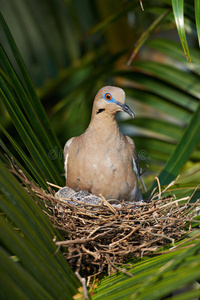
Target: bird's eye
[108,96]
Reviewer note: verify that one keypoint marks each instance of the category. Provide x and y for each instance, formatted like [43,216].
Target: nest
[102,237]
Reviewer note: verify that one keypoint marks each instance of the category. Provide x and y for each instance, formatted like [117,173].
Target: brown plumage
[102,160]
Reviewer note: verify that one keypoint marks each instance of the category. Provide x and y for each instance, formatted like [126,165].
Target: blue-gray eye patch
[109,98]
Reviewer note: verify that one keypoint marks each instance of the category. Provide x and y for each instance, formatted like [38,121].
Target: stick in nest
[101,236]
[108,204]
[83,282]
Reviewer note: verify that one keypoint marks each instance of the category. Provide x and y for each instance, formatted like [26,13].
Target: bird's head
[111,99]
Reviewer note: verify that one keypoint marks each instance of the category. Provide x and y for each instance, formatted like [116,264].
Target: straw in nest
[102,236]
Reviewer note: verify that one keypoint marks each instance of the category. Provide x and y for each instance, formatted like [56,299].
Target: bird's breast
[99,168]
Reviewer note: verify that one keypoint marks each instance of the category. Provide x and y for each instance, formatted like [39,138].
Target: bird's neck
[105,125]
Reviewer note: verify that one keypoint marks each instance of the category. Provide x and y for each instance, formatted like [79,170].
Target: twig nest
[101,234]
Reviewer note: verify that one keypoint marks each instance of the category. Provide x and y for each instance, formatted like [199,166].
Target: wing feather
[66,154]
[136,162]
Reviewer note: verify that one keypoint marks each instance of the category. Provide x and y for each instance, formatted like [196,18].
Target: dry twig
[100,237]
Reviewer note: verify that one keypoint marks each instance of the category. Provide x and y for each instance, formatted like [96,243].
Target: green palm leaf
[197,17]
[28,114]
[79,56]
[178,9]
[154,278]
[30,101]
[187,143]
[26,160]
[32,244]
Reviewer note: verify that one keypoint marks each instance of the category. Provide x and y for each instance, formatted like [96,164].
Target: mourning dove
[102,160]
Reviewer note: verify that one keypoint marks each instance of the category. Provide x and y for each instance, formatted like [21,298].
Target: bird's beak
[127,109]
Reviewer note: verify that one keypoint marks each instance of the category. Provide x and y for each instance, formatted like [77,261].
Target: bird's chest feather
[102,157]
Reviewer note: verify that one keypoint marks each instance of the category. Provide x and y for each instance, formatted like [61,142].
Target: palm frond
[27,234]
[69,57]
[155,277]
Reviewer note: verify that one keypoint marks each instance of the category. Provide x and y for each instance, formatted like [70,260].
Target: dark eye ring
[108,96]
